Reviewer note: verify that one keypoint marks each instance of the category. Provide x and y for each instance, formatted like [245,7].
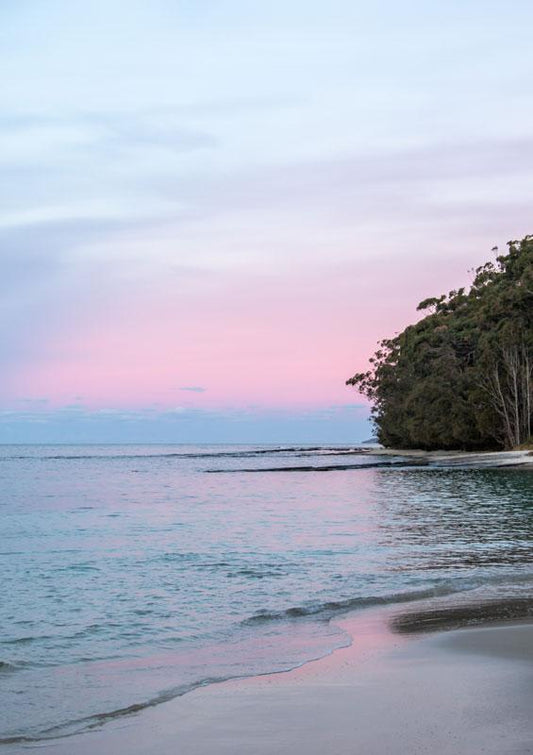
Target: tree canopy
[462,376]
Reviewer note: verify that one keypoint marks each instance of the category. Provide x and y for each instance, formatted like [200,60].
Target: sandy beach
[457,691]
[478,459]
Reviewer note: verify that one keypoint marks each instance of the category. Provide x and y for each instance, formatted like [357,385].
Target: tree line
[462,376]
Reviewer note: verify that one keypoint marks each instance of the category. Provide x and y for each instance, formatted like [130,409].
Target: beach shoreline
[522,458]
[456,690]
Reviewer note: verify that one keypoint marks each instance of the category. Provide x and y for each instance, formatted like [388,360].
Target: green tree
[461,377]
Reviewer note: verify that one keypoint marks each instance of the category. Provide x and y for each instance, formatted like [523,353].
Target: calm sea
[132,574]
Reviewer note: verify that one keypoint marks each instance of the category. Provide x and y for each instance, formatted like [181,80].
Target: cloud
[177,200]
[38,138]
[359,181]
[33,403]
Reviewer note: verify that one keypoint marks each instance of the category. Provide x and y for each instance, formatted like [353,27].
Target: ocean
[133,574]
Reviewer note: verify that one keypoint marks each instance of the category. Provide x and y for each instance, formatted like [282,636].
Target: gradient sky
[211,210]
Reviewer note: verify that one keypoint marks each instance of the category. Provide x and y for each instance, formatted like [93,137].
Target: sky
[212,210]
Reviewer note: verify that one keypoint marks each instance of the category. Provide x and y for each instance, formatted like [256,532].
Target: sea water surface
[133,574]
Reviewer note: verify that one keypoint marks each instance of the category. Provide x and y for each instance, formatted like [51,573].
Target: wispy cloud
[246,196]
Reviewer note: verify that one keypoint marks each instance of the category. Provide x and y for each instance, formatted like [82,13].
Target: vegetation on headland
[462,377]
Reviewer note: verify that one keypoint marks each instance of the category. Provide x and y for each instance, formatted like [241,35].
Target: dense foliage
[462,377]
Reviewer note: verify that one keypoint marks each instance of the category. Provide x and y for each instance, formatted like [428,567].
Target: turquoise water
[132,574]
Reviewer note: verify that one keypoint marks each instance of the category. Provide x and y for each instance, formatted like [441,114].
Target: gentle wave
[329,609]
[322,611]
[98,719]
[79,725]
[27,640]
[6,667]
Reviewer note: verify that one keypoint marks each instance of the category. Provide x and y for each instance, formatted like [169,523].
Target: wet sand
[457,691]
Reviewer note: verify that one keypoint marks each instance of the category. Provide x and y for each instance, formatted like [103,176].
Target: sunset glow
[226,227]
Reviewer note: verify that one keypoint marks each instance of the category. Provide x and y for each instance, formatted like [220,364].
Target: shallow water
[131,574]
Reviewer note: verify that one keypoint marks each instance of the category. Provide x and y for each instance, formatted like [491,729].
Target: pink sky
[257,339]
[243,199]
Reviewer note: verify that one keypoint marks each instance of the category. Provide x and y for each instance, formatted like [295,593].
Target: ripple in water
[131,575]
